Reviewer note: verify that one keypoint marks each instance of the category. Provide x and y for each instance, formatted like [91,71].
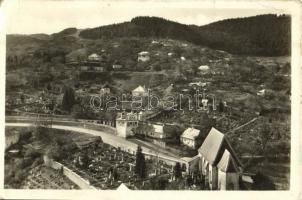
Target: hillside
[266,35]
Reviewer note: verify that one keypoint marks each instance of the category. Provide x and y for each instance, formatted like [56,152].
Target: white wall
[213,177]
[188,142]
[221,180]
[228,181]
[74,177]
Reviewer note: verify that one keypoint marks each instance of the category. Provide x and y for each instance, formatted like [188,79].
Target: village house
[203,69]
[117,65]
[126,123]
[188,137]
[170,54]
[140,91]
[199,84]
[219,165]
[143,56]
[94,57]
[261,93]
[157,132]
[105,89]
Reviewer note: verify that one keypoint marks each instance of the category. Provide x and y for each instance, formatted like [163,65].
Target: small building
[143,56]
[189,136]
[200,84]
[157,132]
[154,42]
[98,69]
[105,90]
[94,57]
[117,65]
[140,91]
[182,58]
[170,54]
[126,123]
[203,69]
[261,93]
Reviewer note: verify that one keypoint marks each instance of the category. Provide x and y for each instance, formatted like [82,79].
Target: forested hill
[267,35]
[259,35]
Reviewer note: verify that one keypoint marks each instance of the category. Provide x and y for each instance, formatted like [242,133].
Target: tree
[68,99]
[140,164]
[221,106]
[177,171]
[264,137]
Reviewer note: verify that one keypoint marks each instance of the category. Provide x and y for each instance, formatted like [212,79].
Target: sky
[50,16]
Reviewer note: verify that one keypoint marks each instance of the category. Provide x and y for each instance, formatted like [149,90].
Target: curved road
[108,138]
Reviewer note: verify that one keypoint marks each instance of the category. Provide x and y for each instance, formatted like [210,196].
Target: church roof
[227,163]
[214,146]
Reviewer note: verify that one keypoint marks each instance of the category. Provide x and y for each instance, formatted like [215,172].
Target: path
[126,145]
[243,125]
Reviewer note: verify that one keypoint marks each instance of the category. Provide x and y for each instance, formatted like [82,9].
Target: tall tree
[140,164]
[177,171]
[68,99]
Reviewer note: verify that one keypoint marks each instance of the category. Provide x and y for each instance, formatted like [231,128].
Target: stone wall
[74,177]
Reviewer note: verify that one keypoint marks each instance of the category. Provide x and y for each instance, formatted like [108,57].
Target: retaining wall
[74,177]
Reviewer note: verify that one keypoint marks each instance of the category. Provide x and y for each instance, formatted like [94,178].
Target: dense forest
[266,35]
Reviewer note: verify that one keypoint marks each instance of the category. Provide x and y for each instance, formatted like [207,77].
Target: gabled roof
[211,145]
[94,55]
[204,67]
[214,146]
[139,89]
[227,163]
[143,53]
[190,133]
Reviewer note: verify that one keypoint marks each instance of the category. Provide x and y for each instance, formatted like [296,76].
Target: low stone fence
[74,177]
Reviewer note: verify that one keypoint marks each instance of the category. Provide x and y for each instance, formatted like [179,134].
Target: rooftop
[140,89]
[227,163]
[190,133]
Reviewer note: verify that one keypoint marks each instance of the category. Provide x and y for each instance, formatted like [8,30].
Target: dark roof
[213,147]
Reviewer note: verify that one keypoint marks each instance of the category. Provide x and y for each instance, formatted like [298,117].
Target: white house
[140,91]
[157,132]
[143,56]
[189,136]
[200,84]
[117,65]
[261,93]
[203,69]
[94,57]
[105,90]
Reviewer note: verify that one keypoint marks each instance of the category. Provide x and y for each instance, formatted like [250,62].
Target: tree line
[267,35]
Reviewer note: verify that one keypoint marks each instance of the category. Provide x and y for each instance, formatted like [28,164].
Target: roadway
[109,138]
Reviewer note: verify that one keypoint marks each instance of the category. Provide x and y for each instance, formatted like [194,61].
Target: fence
[89,124]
